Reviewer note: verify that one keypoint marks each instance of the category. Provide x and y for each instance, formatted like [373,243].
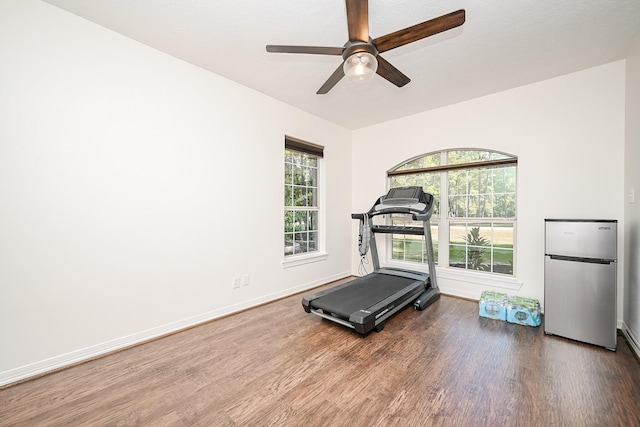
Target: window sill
[481,279]
[460,275]
[295,260]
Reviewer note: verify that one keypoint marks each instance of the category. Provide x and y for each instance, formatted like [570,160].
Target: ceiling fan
[361,54]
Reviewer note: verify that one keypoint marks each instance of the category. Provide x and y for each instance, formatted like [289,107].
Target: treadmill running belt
[361,294]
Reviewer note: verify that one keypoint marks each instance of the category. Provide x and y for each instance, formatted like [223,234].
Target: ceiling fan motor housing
[352,47]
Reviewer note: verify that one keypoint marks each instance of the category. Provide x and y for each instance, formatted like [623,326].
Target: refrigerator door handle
[578,259]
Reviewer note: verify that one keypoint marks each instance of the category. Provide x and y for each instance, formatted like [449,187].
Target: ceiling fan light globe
[360,66]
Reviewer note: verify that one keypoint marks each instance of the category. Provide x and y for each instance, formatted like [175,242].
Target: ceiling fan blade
[391,73]
[331,81]
[317,50]
[420,31]
[358,20]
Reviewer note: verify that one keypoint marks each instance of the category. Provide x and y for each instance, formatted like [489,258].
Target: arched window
[474,223]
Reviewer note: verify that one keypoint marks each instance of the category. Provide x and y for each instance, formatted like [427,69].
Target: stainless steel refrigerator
[580,269]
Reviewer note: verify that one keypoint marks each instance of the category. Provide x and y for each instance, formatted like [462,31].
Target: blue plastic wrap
[524,311]
[493,305]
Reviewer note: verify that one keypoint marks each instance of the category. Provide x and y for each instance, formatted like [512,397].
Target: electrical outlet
[236,282]
[245,280]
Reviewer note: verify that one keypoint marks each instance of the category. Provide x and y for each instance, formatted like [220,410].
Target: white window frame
[320,253]
[507,281]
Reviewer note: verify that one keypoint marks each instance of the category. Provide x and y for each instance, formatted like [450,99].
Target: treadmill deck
[361,294]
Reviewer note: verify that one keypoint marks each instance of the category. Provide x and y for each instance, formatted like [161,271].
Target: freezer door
[580,301]
[581,239]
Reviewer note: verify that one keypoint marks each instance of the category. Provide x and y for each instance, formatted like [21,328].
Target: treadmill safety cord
[364,239]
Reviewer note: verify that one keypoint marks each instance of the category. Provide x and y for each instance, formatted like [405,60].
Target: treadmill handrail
[398,229]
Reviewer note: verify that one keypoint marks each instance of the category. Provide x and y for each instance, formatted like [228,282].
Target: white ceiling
[503,44]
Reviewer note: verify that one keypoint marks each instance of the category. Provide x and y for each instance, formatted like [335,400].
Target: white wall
[133,187]
[568,134]
[632,184]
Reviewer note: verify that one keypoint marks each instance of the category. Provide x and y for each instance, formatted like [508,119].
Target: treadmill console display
[402,196]
[408,200]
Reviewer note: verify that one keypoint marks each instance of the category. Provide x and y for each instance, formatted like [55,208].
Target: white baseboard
[62,361]
[634,343]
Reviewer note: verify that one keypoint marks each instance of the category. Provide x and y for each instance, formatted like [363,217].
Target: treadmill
[366,303]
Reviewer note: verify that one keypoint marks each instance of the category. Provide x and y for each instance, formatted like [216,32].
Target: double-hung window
[301,207]
[474,222]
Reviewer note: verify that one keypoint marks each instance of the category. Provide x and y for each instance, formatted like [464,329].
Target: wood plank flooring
[276,365]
